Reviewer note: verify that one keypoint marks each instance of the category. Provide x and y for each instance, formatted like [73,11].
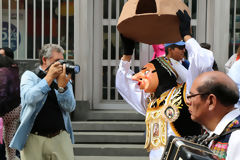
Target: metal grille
[234,27]
[112,47]
[192,5]
[26,25]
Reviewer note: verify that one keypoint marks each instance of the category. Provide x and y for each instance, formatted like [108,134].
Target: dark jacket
[9,86]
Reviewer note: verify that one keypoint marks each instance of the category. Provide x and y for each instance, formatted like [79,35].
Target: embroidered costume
[137,98]
[168,106]
[224,146]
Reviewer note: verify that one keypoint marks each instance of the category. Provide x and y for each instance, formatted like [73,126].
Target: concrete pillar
[218,30]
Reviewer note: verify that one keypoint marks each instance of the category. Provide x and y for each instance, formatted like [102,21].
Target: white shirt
[230,62]
[201,60]
[234,73]
[233,151]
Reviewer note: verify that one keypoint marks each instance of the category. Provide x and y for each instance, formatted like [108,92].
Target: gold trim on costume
[160,112]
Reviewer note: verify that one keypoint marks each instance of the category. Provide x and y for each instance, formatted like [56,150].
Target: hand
[128,45]
[62,79]
[185,21]
[54,71]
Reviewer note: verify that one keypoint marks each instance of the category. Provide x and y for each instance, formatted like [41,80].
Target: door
[108,51]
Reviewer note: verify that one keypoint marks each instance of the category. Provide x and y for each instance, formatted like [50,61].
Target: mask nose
[138,76]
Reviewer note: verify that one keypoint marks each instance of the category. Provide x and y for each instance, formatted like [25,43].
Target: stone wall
[27,65]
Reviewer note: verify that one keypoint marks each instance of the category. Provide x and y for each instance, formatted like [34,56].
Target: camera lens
[72,69]
[76,69]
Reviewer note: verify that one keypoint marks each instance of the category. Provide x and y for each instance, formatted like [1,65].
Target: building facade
[86,29]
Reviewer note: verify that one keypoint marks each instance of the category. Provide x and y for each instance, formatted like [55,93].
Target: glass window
[37,31]
[234,27]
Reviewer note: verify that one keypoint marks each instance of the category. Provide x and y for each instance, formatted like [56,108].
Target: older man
[211,104]
[47,99]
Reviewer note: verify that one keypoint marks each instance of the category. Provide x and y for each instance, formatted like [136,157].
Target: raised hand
[128,45]
[54,70]
[62,79]
[185,21]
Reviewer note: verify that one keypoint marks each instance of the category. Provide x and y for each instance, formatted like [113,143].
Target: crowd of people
[160,88]
[179,95]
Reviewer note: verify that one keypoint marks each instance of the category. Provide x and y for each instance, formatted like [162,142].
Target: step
[109,158]
[117,115]
[110,137]
[110,150]
[108,126]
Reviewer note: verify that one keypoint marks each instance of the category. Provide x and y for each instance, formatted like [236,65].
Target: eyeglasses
[193,95]
[181,47]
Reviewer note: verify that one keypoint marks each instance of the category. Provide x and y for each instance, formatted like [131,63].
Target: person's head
[175,50]
[212,95]
[6,61]
[205,45]
[156,76]
[5,51]
[49,54]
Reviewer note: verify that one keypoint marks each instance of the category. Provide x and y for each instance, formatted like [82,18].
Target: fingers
[64,69]
[186,15]
[69,76]
[183,15]
[56,64]
[180,15]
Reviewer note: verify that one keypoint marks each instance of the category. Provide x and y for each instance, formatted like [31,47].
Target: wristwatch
[61,89]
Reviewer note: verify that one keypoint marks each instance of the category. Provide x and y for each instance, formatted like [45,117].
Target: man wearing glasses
[211,104]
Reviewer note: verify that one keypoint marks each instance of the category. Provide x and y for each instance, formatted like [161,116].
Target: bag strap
[208,140]
[42,74]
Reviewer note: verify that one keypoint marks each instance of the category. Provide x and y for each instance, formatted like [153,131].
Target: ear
[169,49]
[212,102]
[44,59]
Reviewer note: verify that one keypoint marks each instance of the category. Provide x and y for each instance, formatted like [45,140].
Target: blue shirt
[34,93]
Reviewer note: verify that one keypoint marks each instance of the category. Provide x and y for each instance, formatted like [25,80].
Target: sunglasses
[197,94]
[181,47]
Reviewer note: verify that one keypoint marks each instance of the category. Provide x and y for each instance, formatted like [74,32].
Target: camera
[72,69]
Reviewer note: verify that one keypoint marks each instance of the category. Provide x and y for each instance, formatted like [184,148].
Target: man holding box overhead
[158,91]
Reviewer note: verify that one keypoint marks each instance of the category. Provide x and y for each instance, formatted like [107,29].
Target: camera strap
[42,74]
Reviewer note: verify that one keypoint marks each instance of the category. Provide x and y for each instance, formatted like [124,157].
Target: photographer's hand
[62,79]
[53,72]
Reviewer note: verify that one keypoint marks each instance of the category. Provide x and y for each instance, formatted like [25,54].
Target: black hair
[6,61]
[166,77]
[8,52]
[205,45]
[226,94]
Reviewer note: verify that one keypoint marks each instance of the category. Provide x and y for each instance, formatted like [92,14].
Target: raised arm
[127,87]
[201,60]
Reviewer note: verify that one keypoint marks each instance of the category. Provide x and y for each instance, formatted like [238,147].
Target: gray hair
[47,50]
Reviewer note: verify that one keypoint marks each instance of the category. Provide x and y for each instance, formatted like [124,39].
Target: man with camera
[47,98]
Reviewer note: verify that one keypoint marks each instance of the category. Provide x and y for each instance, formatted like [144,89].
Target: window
[37,22]
[234,27]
